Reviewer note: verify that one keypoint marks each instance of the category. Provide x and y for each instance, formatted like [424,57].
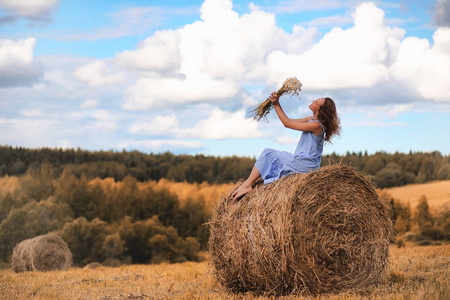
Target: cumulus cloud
[98,73]
[161,125]
[158,53]
[18,67]
[208,60]
[168,92]
[222,125]
[442,13]
[426,68]
[34,10]
[219,125]
[356,57]
[371,55]
[217,57]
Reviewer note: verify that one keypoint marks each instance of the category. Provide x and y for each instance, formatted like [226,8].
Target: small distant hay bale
[410,236]
[42,253]
[93,266]
[321,232]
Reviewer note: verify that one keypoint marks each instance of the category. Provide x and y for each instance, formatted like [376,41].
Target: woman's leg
[246,186]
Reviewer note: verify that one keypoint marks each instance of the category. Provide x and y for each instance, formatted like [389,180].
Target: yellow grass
[437,193]
[414,273]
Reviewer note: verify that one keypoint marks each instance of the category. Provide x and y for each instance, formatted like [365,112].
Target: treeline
[126,222]
[118,165]
[387,169]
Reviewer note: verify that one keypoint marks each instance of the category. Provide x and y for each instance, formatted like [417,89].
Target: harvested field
[414,273]
[437,193]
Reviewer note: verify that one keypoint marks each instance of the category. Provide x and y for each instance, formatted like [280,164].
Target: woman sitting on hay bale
[273,164]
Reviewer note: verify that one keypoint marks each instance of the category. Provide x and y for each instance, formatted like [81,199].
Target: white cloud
[356,57]
[18,67]
[30,112]
[391,111]
[424,67]
[208,60]
[160,125]
[99,73]
[36,10]
[158,53]
[222,125]
[161,145]
[168,92]
[91,103]
[219,125]
[213,59]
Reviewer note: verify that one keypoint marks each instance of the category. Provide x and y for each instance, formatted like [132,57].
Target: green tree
[374,164]
[391,175]
[38,183]
[444,172]
[75,192]
[426,170]
[86,239]
[7,203]
[13,231]
[190,219]
[31,220]
[113,246]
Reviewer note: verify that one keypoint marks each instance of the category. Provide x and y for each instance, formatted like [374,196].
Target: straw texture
[325,231]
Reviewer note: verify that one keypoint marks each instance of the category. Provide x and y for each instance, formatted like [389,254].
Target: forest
[121,208]
[386,169]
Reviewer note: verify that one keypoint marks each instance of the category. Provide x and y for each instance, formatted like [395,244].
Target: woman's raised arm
[296,124]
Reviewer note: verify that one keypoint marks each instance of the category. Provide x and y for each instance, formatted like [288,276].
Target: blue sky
[180,76]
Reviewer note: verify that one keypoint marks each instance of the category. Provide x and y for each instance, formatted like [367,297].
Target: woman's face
[316,104]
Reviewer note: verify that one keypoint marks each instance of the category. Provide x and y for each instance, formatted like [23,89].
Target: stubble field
[437,193]
[413,273]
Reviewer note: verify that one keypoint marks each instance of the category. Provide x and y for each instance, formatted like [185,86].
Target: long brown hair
[329,118]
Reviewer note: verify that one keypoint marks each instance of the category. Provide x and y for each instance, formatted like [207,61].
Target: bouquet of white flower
[291,86]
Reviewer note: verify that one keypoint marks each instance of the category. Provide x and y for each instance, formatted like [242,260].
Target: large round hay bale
[325,231]
[42,253]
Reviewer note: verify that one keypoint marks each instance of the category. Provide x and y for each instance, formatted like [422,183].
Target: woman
[273,164]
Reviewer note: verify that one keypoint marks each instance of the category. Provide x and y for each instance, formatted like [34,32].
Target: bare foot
[240,192]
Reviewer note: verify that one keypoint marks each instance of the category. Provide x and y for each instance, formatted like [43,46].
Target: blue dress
[274,164]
